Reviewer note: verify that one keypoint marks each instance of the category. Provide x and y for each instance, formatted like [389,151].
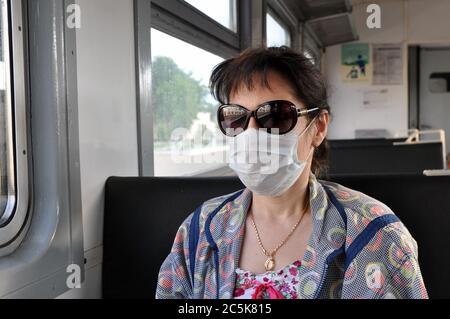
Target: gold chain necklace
[270,262]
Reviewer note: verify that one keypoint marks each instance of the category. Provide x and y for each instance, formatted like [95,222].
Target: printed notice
[388,64]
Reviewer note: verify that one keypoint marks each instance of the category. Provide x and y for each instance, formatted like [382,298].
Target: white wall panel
[428,21]
[107,114]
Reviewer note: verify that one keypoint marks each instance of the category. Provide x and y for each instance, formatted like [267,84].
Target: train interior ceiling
[108,126]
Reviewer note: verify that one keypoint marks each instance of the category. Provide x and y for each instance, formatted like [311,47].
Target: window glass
[7,192]
[223,11]
[187,140]
[439,82]
[277,34]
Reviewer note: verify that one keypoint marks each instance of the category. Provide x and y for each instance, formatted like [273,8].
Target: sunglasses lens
[232,119]
[279,115]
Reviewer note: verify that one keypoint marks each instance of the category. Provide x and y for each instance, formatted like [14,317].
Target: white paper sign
[388,64]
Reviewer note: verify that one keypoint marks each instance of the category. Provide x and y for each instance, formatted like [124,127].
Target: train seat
[142,216]
[384,156]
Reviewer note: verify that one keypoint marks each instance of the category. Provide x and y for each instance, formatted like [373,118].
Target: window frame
[185,22]
[14,229]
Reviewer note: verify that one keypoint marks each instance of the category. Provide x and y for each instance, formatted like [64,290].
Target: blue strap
[193,240]
[361,240]
[209,237]
[366,236]
[194,232]
[336,204]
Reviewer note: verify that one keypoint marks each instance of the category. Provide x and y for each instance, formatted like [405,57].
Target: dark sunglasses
[280,115]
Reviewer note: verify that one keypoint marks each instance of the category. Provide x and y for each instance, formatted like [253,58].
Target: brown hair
[305,79]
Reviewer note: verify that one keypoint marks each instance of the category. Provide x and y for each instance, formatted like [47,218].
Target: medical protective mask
[267,164]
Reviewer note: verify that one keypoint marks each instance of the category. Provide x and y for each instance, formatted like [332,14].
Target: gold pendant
[269,264]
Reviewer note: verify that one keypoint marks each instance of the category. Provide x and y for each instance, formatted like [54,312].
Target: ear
[322,128]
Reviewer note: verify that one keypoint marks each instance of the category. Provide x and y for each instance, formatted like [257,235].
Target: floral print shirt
[281,284]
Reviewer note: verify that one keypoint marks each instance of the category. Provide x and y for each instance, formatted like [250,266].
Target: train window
[7,181]
[277,33]
[14,185]
[223,11]
[187,140]
[439,82]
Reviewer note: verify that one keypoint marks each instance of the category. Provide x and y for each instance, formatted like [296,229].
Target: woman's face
[280,89]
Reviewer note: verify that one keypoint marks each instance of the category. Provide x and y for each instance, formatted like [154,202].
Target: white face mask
[267,168]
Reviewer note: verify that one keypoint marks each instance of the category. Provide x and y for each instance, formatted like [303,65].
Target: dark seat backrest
[142,216]
[381,156]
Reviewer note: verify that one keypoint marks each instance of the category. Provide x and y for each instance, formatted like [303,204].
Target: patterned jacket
[358,249]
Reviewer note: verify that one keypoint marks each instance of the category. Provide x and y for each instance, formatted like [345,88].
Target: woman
[287,235]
